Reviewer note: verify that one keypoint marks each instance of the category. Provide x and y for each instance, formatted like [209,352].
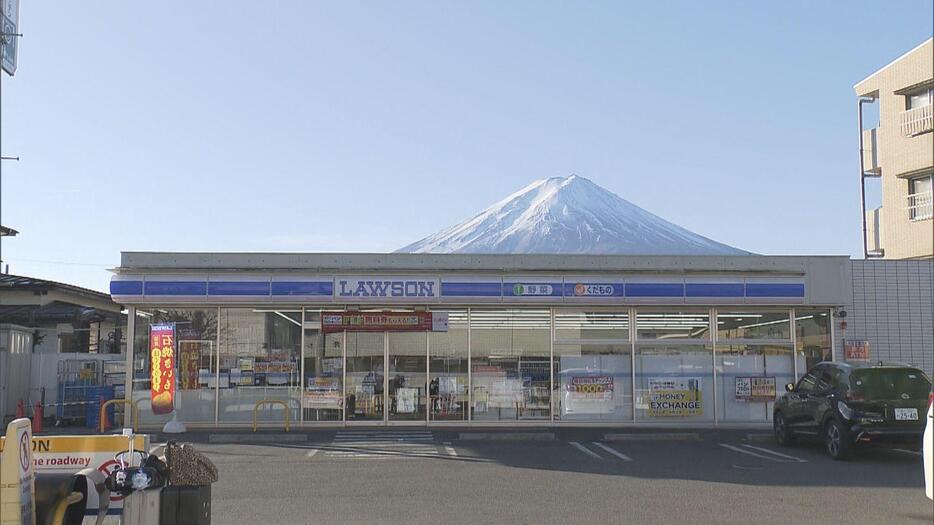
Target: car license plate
[906,414]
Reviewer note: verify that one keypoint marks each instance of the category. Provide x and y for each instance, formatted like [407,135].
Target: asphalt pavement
[419,475]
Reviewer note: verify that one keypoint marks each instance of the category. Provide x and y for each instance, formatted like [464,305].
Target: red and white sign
[383,322]
[856,350]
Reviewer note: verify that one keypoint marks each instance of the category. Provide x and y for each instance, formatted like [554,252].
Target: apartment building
[899,150]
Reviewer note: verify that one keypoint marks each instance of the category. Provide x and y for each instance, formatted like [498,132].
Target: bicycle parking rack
[261,402]
[134,409]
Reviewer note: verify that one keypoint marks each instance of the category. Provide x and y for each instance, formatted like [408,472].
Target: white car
[928,448]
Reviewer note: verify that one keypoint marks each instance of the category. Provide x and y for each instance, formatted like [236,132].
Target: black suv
[845,404]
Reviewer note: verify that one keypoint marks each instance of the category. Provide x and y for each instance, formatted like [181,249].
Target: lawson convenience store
[383,339]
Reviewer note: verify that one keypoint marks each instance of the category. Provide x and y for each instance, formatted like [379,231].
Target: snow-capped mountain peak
[568,215]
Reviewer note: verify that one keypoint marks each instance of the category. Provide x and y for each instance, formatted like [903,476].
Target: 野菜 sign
[384,321]
[675,397]
[523,289]
[162,370]
[755,389]
[856,350]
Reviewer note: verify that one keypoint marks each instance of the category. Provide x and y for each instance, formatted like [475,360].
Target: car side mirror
[789,387]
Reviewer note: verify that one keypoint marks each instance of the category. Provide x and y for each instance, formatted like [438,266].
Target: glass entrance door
[408,376]
[365,381]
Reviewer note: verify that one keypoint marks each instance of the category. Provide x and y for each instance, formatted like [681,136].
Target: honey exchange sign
[162,369]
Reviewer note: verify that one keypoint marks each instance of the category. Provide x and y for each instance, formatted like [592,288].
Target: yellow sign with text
[675,397]
[71,454]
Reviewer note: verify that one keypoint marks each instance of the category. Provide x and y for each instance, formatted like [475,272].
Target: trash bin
[186,505]
[186,500]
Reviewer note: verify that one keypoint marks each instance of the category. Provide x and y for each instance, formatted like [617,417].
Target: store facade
[400,339]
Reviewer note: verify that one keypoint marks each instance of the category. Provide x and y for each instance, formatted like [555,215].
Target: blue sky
[311,126]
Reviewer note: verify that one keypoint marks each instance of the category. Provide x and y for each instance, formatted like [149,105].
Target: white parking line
[449,449]
[750,453]
[906,451]
[620,455]
[779,454]
[311,453]
[584,449]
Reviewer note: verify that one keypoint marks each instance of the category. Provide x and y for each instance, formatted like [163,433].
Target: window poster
[755,389]
[675,397]
[447,385]
[589,395]
[405,400]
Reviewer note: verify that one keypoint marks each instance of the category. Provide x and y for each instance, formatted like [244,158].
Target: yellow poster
[675,397]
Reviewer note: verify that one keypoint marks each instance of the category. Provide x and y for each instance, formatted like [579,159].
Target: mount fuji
[569,215]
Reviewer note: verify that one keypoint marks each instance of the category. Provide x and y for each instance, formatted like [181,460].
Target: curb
[257,438]
[654,436]
[759,438]
[506,436]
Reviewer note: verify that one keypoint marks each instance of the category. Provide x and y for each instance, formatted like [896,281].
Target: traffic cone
[37,418]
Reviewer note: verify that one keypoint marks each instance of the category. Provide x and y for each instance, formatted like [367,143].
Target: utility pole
[9,47]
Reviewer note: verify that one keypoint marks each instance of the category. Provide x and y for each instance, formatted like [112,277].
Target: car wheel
[836,440]
[783,435]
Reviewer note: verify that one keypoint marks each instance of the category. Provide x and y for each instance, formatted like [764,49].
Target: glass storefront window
[260,358]
[407,376]
[195,361]
[364,388]
[681,324]
[510,360]
[758,324]
[573,324]
[674,382]
[322,398]
[447,369]
[812,333]
[593,382]
[750,378]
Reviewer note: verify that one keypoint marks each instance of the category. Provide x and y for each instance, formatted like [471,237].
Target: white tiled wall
[893,308]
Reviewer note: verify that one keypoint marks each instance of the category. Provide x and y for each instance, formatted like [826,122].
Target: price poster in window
[162,369]
[589,395]
[755,389]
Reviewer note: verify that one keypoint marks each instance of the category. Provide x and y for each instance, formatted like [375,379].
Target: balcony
[874,232]
[918,120]
[871,166]
[921,206]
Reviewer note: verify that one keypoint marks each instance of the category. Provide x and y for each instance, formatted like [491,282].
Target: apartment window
[920,98]
[920,201]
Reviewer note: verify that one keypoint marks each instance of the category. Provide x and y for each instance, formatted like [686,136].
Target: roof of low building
[20,282]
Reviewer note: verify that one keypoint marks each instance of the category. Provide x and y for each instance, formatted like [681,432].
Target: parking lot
[419,475]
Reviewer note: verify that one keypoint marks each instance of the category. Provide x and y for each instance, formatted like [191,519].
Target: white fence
[917,120]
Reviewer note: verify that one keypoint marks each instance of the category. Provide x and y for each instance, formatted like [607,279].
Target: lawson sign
[386,288]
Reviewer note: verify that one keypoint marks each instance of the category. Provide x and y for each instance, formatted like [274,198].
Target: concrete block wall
[892,307]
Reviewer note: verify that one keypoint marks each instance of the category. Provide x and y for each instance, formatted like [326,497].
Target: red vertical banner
[162,370]
[189,358]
